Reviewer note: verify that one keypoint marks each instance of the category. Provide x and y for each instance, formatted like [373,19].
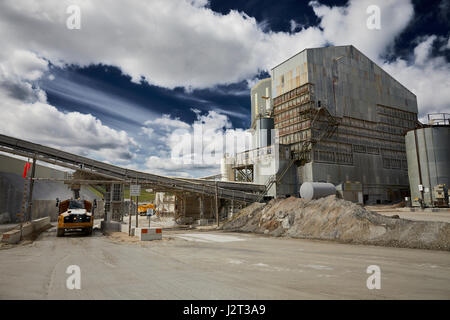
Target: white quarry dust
[200,237]
[336,219]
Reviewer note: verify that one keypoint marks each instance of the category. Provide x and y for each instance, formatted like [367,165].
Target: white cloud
[422,50]
[348,24]
[426,76]
[199,3]
[194,148]
[446,45]
[167,123]
[24,65]
[170,42]
[294,25]
[178,43]
[82,134]
[26,114]
[82,90]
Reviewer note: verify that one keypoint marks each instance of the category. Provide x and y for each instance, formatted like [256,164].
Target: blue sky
[139,78]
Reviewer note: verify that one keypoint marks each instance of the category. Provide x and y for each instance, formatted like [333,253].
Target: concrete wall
[14,236]
[12,186]
[15,165]
[10,199]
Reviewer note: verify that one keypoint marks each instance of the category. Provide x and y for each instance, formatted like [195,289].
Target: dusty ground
[404,213]
[218,265]
[122,237]
[336,219]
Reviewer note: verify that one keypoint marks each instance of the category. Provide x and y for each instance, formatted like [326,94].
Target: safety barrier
[148,234]
[14,236]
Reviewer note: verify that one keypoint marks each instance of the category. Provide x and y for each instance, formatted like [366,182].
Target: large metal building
[343,119]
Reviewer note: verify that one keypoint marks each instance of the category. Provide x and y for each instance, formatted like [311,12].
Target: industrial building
[338,118]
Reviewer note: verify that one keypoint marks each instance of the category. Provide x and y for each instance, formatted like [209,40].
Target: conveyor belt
[226,190]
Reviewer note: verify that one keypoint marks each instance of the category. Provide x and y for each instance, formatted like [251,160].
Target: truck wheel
[89,231]
[59,232]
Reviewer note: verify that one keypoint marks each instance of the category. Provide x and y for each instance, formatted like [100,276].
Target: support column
[176,206]
[184,205]
[201,205]
[232,208]
[137,212]
[217,205]
[130,208]
[122,202]
[30,194]
[108,202]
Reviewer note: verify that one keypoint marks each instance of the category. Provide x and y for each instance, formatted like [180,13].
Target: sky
[152,85]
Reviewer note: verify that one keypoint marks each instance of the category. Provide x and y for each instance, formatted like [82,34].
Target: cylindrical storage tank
[428,158]
[316,190]
[265,126]
[226,170]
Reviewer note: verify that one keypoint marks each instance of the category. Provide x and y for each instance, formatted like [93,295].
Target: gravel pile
[336,219]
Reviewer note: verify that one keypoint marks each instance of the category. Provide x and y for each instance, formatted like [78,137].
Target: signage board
[135,190]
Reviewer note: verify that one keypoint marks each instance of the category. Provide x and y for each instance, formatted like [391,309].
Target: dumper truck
[145,208]
[75,215]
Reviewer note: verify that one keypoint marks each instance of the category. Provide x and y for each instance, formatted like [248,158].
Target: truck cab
[75,215]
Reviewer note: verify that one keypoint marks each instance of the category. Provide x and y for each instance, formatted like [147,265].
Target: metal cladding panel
[438,142]
[266,126]
[259,104]
[374,111]
[290,74]
[433,150]
[413,168]
[263,132]
[266,123]
[359,83]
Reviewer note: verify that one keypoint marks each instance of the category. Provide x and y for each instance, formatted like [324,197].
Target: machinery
[75,214]
[440,196]
[144,209]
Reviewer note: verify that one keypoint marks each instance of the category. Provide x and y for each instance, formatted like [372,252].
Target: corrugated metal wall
[433,153]
[374,110]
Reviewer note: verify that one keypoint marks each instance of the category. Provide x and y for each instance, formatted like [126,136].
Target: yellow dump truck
[75,215]
[143,209]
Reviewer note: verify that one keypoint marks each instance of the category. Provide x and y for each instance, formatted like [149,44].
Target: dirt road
[216,265]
